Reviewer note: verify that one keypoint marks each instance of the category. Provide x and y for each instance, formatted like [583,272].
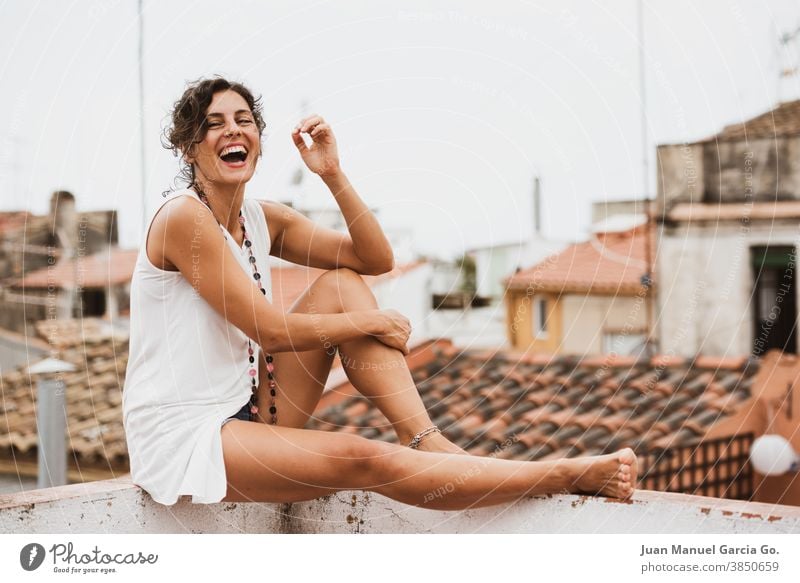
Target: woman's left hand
[322,157]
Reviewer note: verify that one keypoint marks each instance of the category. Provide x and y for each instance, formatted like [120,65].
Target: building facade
[729,225]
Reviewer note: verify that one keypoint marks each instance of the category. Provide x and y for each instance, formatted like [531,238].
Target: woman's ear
[188,155]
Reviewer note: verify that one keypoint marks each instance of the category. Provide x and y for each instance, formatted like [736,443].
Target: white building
[729,209]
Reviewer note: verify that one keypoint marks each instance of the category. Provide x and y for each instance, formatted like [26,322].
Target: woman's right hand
[393,329]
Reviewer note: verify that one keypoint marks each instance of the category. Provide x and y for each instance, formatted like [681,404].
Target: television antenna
[788,64]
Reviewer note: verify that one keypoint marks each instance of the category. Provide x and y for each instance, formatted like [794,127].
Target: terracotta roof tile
[537,410]
[607,263]
[784,120]
[717,362]
[569,405]
[110,267]
[93,396]
[14,221]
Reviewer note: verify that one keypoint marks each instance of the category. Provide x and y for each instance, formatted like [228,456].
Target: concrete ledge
[117,506]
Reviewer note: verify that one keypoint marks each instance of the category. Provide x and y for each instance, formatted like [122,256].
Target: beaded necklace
[273,411]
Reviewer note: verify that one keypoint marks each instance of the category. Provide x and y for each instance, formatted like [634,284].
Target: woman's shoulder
[174,222]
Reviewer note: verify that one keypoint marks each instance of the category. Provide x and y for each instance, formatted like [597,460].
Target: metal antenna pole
[141,113]
[643,109]
[648,280]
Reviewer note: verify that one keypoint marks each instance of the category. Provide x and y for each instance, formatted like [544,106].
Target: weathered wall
[679,169]
[729,171]
[755,170]
[119,507]
[706,283]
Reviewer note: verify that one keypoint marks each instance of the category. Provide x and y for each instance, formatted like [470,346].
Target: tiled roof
[13,220]
[538,407]
[94,398]
[534,407]
[784,120]
[112,266]
[607,263]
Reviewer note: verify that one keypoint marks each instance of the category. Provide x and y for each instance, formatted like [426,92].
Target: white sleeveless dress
[187,372]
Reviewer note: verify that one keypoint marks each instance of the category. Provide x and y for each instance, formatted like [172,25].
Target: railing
[715,467]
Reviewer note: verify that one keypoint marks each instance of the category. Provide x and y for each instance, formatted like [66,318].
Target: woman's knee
[342,283]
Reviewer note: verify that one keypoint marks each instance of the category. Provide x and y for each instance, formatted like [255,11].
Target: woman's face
[230,149]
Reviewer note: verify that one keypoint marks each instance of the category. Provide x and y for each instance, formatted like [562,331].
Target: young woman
[220,382]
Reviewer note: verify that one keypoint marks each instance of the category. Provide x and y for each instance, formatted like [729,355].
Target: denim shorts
[243,414]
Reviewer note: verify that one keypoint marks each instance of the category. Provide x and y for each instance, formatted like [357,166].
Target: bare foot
[440,444]
[612,475]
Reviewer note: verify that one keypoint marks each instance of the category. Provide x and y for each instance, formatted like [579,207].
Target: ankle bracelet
[414,443]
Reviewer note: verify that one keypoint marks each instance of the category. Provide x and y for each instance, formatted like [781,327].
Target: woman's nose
[233,130]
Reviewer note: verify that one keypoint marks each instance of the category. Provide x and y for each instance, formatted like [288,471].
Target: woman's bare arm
[194,244]
[367,239]
[365,249]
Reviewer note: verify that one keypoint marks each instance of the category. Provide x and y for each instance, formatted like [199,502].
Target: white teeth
[232,149]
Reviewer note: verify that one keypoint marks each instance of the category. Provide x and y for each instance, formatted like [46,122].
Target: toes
[626,456]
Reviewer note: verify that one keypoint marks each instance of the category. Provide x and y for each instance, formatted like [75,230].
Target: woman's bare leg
[266,463]
[376,370]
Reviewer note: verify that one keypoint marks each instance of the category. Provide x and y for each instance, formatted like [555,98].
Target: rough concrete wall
[706,286]
[679,174]
[754,170]
[114,506]
[714,172]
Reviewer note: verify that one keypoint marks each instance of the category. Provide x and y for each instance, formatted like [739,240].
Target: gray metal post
[51,422]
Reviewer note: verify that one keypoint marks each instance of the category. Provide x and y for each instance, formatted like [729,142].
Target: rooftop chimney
[64,219]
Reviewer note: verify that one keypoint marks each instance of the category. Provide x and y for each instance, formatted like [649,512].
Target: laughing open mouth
[233,154]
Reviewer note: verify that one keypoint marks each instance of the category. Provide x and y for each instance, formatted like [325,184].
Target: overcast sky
[443,115]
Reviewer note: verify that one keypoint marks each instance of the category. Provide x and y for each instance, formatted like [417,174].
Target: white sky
[443,115]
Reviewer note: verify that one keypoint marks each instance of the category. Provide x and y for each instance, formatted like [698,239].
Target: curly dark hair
[189,126]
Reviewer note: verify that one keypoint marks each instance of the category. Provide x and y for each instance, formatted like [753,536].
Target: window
[540,318]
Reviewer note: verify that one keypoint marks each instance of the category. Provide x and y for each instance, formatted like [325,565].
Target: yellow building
[591,298]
